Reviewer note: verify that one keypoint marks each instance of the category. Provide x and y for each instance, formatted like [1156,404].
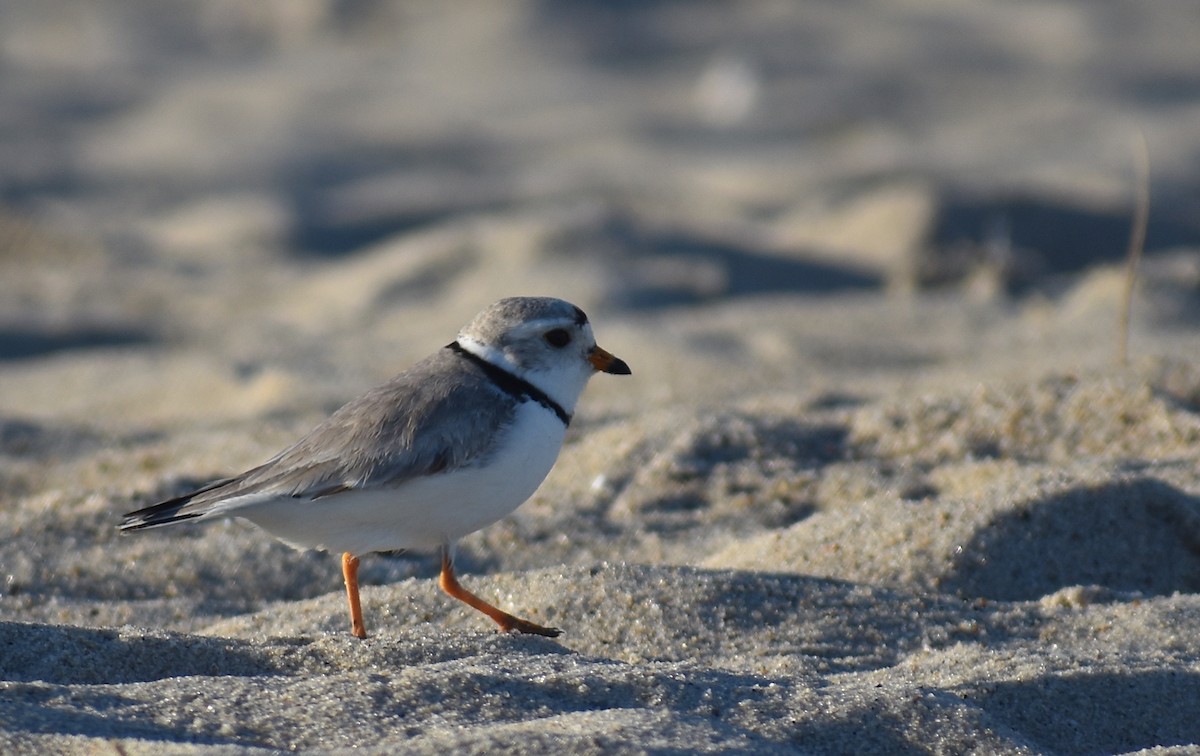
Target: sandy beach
[879,482]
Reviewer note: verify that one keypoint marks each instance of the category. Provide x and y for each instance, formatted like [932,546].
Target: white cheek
[486,351]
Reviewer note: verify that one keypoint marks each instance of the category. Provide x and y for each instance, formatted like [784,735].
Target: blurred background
[287,182]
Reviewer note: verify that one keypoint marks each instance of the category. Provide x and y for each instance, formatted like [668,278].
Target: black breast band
[518,388]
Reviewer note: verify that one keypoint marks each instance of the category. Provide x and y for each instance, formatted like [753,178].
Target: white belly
[424,512]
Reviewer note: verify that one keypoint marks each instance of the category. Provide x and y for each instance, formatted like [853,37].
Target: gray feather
[440,415]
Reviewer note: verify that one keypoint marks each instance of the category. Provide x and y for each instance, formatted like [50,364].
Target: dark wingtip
[166,512]
[133,521]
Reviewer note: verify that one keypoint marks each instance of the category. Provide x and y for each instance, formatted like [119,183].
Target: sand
[877,484]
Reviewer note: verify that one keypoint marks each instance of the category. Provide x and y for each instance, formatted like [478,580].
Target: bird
[445,448]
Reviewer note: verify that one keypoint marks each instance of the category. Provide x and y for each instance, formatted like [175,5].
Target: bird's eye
[557,338]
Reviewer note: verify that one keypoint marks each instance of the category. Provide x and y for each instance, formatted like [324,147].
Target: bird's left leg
[507,622]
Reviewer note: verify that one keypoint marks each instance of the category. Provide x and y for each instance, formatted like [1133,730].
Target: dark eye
[557,338]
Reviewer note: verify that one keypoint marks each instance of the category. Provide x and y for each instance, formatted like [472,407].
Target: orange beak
[607,363]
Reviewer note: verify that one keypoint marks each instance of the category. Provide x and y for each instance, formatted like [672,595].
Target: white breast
[424,512]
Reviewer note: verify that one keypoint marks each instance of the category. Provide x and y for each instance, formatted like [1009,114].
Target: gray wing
[440,415]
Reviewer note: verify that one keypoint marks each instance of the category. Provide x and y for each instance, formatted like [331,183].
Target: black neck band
[510,384]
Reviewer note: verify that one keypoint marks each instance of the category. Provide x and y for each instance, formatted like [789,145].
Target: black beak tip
[619,367]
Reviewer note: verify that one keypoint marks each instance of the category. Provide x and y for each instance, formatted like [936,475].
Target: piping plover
[445,448]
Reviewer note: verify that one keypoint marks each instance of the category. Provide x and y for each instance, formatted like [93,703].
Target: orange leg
[508,623]
[350,573]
